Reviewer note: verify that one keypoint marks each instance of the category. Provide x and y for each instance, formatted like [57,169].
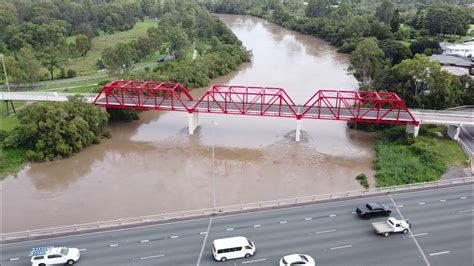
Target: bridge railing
[167,217]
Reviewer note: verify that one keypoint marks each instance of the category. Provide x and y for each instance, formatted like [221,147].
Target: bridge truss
[355,106]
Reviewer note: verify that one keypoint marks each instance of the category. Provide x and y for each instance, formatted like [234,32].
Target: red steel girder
[358,106]
[144,95]
[246,100]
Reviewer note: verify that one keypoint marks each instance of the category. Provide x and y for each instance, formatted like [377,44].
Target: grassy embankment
[402,160]
[87,65]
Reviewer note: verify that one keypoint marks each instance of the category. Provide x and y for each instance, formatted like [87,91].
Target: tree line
[388,44]
[47,33]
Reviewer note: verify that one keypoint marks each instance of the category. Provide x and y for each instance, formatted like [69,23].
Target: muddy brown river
[153,166]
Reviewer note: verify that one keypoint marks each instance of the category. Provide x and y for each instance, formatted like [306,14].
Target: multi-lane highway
[442,234]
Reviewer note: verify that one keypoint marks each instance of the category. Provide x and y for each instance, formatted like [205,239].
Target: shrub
[362,178]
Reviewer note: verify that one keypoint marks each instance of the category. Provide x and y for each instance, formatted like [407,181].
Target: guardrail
[142,220]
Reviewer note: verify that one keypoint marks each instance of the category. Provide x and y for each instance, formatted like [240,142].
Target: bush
[362,178]
[71,73]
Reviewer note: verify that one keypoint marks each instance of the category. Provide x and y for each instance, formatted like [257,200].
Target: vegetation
[402,159]
[363,180]
[57,130]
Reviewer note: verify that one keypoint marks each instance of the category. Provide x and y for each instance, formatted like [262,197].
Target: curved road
[442,234]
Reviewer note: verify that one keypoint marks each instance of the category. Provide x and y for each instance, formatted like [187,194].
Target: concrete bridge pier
[299,123]
[453,132]
[412,130]
[193,122]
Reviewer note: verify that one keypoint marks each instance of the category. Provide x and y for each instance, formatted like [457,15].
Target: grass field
[87,65]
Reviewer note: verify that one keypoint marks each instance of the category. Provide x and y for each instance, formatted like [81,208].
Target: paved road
[442,226]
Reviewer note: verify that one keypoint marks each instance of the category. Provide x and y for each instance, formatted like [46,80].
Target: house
[463,49]
[456,65]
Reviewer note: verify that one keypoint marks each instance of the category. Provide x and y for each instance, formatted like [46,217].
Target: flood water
[153,166]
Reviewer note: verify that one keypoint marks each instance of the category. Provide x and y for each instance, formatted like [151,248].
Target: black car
[373,209]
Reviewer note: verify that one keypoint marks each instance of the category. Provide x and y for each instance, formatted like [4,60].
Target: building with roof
[462,49]
[456,65]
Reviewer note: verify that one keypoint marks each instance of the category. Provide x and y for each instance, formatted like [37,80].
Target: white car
[44,256]
[297,259]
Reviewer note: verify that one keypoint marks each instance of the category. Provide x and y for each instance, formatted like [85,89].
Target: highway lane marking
[203,233]
[204,241]
[411,233]
[152,257]
[173,237]
[420,234]
[307,219]
[113,245]
[353,212]
[252,261]
[472,210]
[346,246]
[144,241]
[442,200]
[421,203]
[462,197]
[234,215]
[439,253]
[82,249]
[229,229]
[332,215]
[257,225]
[283,222]
[400,206]
[327,231]
[14,259]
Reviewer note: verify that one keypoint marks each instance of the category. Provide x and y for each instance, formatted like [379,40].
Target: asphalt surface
[442,225]
[466,135]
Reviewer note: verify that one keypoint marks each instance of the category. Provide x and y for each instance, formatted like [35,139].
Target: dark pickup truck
[372,210]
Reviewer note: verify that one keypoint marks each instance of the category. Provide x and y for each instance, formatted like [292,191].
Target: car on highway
[50,255]
[392,225]
[373,209]
[297,259]
[232,248]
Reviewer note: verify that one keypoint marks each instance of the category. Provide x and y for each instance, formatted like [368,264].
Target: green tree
[83,44]
[318,8]
[118,60]
[385,11]
[8,16]
[395,51]
[178,42]
[395,21]
[58,130]
[366,60]
[29,65]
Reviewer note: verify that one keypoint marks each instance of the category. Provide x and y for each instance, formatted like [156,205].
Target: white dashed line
[332,215]
[462,197]
[173,237]
[229,229]
[307,219]
[421,203]
[256,225]
[152,257]
[327,231]
[400,206]
[203,233]
[283,222]
[442,200]
[144,241]
[353,212]
[420,234]
[251,261]
[13,259]
[439,253]
[113,245]
[347,246]
[472,210]
[83,249]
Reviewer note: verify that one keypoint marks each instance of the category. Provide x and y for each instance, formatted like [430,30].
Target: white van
[232,248]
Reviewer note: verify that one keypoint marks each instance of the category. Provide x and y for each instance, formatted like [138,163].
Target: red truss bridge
[354,106]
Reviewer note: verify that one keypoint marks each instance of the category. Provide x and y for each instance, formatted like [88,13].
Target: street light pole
[212,169]
[5,72]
